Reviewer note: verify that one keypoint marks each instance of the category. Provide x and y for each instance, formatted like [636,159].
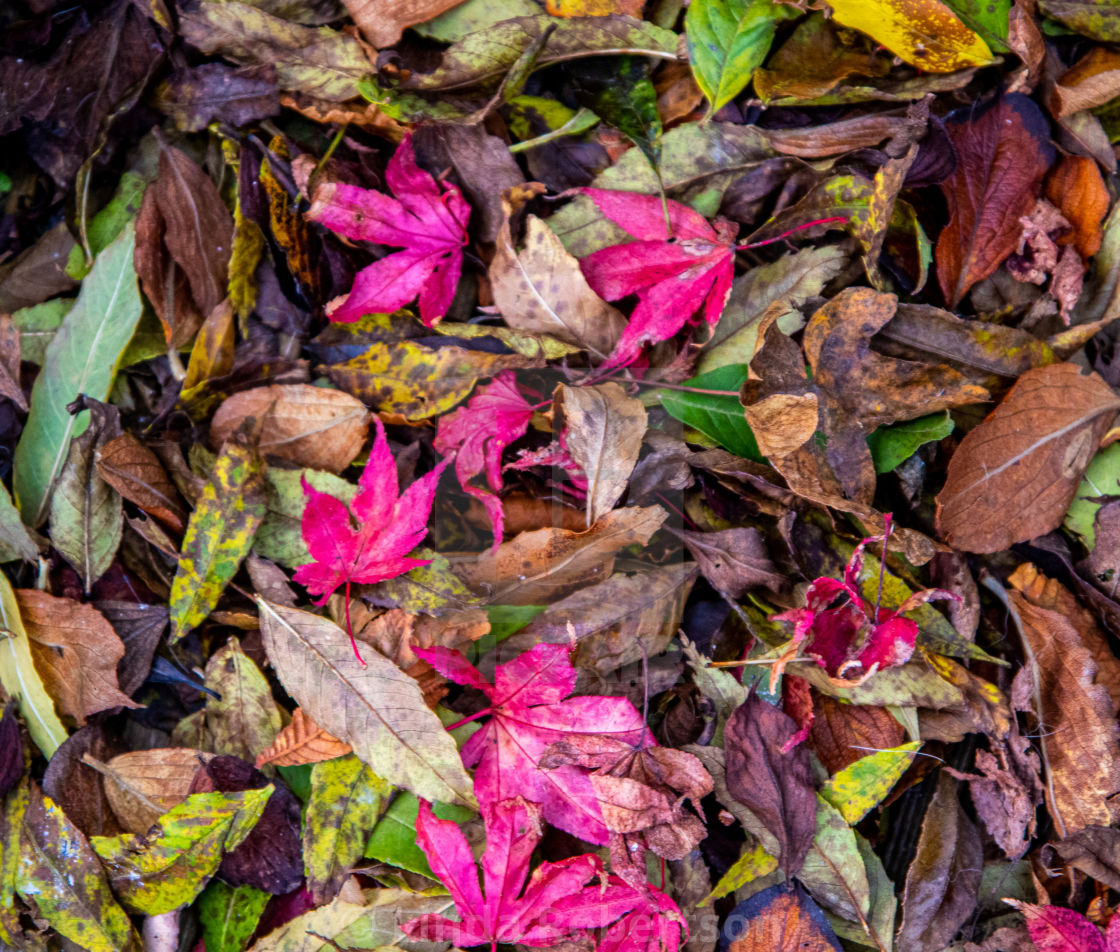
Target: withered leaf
[1076,187]
[142,785]
[136,473]
[241,716]
[843,733]
[774,784]
[139,626]
[309,426]
[77,787]
[11,749]
[302,742]
[539,567]
[76,652]
[1014,476]
[196,96]
[782,918]
[1003,152]
[733,560]
[604,436]
[1095,850]
[1080,749]
[383,21]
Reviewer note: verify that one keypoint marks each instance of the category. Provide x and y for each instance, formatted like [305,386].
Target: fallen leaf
[382,21]
[302,741]
[241,716]
[196,96]
[76,652]
[782,918]
[1004,152]
[1075,186]
[136,473]
[733,560]
[376,708]
[841,733]
[1095,850]
[142,785]
[1054,929]
[1043,434]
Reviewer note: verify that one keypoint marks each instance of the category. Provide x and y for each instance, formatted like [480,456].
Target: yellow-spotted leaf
[925,33]
[859,787]
[219,535]
[168,866]
[242,717]
[753,864]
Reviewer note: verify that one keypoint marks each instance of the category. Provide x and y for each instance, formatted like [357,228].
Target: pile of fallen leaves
[571,474]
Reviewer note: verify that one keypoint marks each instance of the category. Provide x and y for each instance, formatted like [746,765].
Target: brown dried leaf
[383,21]
[309,426]
[1013,477]
[733,560]
[241,715]
[1092,81]
[9,362]
[781,918]
[540,567]
[773,783]
[196,96]
[1095,851]
[783,422]
[164,282]
[76,653]
[76,787]
[302,742]
[1003,153]
[142,785]
[135,472]
[843,733]
[604,436]
[1080,749]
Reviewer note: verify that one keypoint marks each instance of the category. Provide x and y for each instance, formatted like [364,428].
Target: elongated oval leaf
[718,416]
[859,787]
[379,710]
[81,358]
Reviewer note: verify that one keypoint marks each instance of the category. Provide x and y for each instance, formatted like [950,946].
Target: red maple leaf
[673,273]
[429,224]
[850,638]
[1054,929]
[556,903]
[478,433]
[528,712]
[370,541]
[655,924]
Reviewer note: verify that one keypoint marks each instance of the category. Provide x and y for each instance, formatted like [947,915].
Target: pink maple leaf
[370,541]
[1054,929]
[655,924]
[528,712]
[554,905]
[674,274]
[850,638]
[478,433]
[426,219]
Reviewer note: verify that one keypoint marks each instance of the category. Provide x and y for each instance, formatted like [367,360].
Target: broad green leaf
[376,708]
[229,915]
[987,18]
[506,620]
[924,33]
[530,116]
[394,838]
[861,786]
[718,416]
[893,445]
[1096,19]
[168,866]
[727,42]
[15,540]
[61,876]
[219,535]
[486,55]
[279,537]
[81,358]
[37,325]
[620,92]
[21,680]
[834,872]
[1102,478]
[914,684]
[242,717]
[429,589]
[473,16]
[752,864]
[346,799]
[109,222]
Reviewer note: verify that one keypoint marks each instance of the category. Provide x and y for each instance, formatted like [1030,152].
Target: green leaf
[37,325]
[472,16]
[81,358]
[753,863]
[168,866]
[834,872]
[620,92]
[242,717]
[61,877]
[727,42]
[21,680]
[394,838]
[12,808]
[1096,19]
[1102,478]
[430,589]
[346,799]
[893,445]
[506,620]
[279,538]
[109,222]
[219,535]
[229,915]
[15,540]
[988,18]
[861,786]
[718,416]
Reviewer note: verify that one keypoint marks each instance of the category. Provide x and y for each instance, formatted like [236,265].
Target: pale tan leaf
[142,785]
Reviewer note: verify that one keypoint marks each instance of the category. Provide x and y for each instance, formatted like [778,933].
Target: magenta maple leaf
[850,638]
[556,903]
[478,433]
[674,274]
[370,541]
[1054,929]
[426,219]
[528,712]
[655,924]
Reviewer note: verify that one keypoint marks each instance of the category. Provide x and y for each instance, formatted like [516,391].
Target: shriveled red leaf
[1003,153]
[428,221]
[528,712]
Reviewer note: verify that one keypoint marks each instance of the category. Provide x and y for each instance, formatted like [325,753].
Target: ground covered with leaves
[571,474]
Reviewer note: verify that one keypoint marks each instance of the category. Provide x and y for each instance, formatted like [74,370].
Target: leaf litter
[773,602]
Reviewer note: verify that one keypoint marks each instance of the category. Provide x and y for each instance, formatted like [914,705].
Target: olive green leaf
[12,808]
[242,717]
[394,838]
[856,789]
[168,866]
[346,799]
[21,680]
[82,358]
[429,589]
[61,876]
[37,325]
[15,540]
[377,708]
[229,915]
[893,445]
[834,872]
[280,538]
[753,863]
[219,535]
[727,42]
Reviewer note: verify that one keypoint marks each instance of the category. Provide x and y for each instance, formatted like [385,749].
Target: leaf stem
[350,629]
[467,720]
[785,234]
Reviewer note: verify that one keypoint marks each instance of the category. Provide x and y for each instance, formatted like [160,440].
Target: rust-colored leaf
[782,918]
[1076,187]
[1013,477]
[136,473]
[302,742]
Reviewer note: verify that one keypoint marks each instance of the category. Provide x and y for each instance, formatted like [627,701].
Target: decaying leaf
[142,785]
[302,741]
